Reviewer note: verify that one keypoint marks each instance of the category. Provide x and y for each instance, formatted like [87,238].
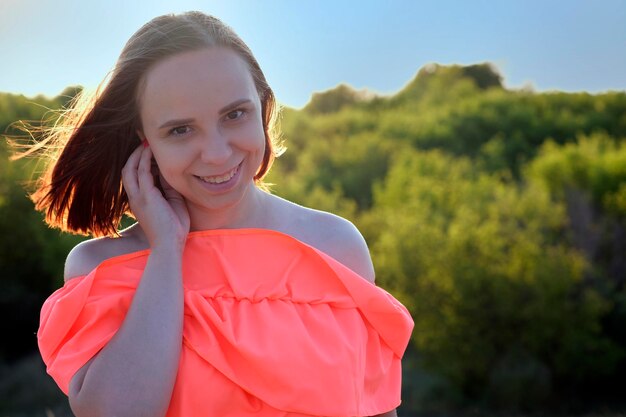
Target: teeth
[220,179]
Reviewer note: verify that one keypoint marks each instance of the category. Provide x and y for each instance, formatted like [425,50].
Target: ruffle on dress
[272,327]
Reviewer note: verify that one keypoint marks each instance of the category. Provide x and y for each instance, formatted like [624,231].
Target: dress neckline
[199,233]
[237,231]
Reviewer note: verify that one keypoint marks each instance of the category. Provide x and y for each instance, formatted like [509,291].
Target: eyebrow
[176,122]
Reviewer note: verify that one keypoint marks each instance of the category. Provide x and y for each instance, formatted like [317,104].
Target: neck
[249,212]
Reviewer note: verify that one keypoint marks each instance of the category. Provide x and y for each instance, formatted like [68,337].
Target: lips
[217,179]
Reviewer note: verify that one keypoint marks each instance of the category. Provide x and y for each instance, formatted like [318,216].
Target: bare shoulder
[87,255]
[333,235]
[341,239]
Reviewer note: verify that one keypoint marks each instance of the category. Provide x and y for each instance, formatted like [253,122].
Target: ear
[140,134]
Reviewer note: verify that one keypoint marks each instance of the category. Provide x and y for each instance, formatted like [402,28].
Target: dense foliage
[498,217]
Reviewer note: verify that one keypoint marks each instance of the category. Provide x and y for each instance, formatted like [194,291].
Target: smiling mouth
[218,179]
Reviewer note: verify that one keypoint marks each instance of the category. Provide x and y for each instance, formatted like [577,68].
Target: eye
[235,114]
[179,130]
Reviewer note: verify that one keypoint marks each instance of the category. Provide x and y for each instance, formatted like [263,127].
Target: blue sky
[309,46]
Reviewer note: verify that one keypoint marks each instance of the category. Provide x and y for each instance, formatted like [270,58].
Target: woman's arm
[391,413]
[134,374]
[347,245]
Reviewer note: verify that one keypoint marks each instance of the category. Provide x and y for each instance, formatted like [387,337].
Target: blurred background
[479,147]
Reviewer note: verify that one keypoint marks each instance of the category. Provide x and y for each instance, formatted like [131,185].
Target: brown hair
[81,189]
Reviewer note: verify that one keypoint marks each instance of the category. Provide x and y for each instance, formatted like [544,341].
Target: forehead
[207,78]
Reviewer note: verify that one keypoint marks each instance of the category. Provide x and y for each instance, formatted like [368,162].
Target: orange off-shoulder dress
[272,327]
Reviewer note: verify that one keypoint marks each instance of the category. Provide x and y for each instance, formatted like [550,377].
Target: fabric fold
[272,327]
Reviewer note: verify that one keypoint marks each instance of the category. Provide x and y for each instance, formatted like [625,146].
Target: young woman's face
[201,115]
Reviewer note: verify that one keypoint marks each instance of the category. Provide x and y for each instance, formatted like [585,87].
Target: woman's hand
[164,219]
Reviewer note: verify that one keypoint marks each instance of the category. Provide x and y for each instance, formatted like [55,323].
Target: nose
[215,148]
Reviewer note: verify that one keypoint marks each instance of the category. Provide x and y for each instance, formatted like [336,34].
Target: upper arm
[391,413]
[76,384]
[81,260]
[346,244]
[87,255]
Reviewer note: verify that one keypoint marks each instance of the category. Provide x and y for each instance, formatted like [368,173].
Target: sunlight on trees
[498,217]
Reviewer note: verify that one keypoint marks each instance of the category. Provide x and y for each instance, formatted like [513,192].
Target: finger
[144,174]
[129,173]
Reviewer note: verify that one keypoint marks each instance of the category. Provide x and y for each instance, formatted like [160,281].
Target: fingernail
[145,143]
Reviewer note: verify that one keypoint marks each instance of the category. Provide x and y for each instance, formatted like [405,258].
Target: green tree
[484,269]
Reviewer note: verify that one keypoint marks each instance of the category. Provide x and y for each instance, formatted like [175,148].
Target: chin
[222,201]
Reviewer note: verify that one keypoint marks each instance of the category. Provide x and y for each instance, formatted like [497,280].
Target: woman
[270,299]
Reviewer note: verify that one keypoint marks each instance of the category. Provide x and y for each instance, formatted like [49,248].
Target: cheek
[169,163]
[252,137]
